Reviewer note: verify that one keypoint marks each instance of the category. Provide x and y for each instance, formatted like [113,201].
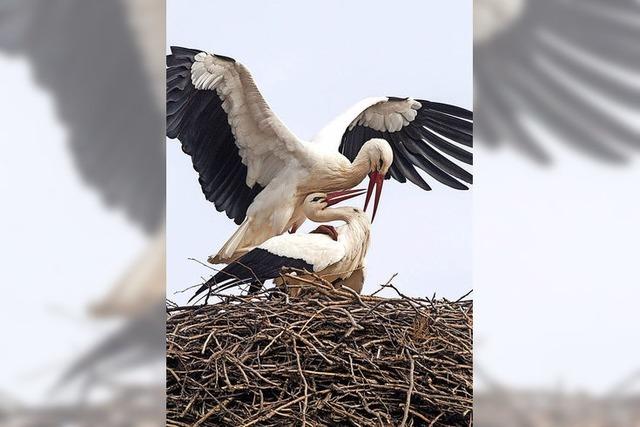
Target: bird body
[278,207]
[257,171]
[330,257]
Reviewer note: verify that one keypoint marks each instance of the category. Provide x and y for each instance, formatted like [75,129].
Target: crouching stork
[333,253]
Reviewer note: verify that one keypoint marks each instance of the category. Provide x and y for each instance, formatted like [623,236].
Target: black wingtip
[198,292]
[447,108]
[206,286]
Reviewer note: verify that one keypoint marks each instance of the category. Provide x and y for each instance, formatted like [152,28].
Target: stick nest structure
[329,357]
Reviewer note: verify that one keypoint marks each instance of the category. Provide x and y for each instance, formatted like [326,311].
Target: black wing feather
[441,144]
[452,110]
[447,131]
[438,129]
[395,173]
[256,266]
[431,169]
[197,119]
[425,152]
[455,123]
[405,163]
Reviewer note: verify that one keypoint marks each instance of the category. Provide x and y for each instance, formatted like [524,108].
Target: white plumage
[331,259]
[318,250]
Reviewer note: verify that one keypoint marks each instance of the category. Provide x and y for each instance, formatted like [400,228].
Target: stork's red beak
[376,179]
[340,196]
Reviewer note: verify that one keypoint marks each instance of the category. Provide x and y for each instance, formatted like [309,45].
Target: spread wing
[236,143]
[429,135]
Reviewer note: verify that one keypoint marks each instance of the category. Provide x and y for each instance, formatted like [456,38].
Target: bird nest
[329,357]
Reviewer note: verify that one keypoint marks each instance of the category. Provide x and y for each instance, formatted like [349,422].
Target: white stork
[253,168]
[332,253]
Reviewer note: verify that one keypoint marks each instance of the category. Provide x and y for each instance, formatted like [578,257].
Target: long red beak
[376,179]
[340,196]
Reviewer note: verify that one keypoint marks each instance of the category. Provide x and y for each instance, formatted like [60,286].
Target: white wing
[237,144]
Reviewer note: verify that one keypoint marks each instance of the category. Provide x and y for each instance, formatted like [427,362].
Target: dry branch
[326,358]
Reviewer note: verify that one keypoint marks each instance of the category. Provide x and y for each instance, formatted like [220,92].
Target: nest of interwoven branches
[328,357]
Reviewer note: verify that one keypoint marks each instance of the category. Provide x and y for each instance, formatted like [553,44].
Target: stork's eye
[316,199]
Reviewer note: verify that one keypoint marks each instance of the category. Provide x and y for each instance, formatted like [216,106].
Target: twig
[407,404]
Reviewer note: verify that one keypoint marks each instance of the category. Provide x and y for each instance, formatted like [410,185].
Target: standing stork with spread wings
[257,171]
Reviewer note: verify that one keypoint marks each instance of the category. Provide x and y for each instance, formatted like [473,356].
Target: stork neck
[358,170]
[332,214]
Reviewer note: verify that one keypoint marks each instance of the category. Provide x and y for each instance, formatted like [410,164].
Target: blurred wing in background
[134,344]
[115,129]
[102,63]
[102,77]
[564,64]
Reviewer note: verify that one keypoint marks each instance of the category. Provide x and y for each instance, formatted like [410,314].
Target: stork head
[380,158]
[379,154]
[316,202]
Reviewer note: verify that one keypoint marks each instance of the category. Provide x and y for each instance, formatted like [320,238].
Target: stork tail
[229,250]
